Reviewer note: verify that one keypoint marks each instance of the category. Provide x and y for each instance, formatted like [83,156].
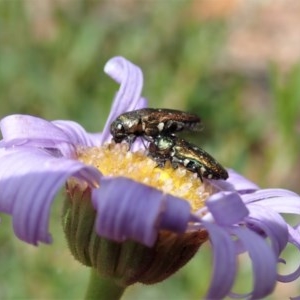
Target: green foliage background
[51,65]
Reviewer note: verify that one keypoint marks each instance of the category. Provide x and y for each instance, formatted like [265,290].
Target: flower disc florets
[115,160]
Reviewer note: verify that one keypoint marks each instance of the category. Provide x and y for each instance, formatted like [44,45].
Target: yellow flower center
[115,160]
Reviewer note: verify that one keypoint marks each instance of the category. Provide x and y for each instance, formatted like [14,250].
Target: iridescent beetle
[180,152]
[150,122]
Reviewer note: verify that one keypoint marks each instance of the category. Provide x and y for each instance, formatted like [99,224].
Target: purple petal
[235,182]
[24,130]
[128,97]
[25,127]
[224,262]
[129,210]
[263,261]
[290,205]
[227,208]
[29,181]
[294,238]
[143,103]
[271,223]
[77,134]
[268,193]
[290,277]
[176,214]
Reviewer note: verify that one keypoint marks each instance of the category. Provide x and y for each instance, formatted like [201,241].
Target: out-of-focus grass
[52,55]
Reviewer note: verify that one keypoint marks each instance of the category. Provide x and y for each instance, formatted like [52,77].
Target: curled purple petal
[294,238]
[270,223]
[227,208]
[263,261]
[129,210]
[224,262]
[130,78]
[290,277]
[29,181]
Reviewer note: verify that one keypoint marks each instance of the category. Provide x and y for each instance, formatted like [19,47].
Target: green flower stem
[100,288]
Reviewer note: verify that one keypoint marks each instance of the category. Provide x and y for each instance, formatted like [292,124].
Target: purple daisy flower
[147,211]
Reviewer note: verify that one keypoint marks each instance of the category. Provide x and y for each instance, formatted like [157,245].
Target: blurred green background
[234,63]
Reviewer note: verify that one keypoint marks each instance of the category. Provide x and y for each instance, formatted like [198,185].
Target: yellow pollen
[115,160]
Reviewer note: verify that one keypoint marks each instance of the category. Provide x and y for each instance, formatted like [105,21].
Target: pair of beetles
[159,128]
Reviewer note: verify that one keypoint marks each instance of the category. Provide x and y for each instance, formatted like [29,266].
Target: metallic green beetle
[180,152]
[150,122]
